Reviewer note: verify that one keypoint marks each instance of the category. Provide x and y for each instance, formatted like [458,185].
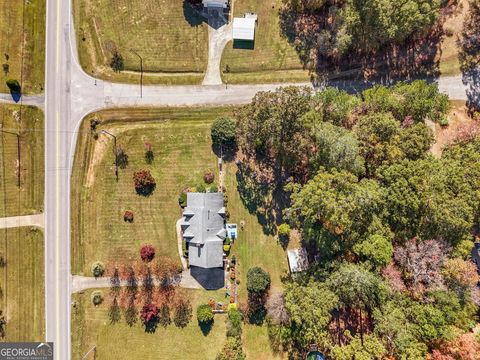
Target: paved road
[19,221]
[70,94]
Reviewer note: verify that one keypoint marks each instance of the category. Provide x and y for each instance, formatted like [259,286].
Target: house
[244,27]
[203,228]
[297,260]
[216,3]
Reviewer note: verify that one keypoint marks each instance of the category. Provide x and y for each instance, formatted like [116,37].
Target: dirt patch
[458,120]
[98,151]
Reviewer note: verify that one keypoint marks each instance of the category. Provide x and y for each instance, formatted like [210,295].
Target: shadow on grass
[206,327]
[151,326]
[192,11]
[244,44]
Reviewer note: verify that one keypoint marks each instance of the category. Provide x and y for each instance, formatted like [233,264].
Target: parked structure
[244,27]
[216,3]
[297,260]
[203,228]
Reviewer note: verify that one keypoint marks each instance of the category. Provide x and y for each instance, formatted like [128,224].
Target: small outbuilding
[297,260]
[244,27]
[216,3]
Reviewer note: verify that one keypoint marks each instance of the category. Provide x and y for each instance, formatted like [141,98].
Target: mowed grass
[254,248]
[91,327]
[180,138]
[171,39]
[22,43]
[27,121]
[22,284]
[273,59]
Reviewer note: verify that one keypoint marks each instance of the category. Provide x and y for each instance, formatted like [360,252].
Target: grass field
[181,144]
[22,40]
[91,326]
[28,198]
[171,39]
[22,284]
[273,58]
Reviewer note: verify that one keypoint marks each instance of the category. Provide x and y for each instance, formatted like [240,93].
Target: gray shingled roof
[203,228]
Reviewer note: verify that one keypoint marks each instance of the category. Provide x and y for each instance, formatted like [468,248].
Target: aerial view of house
[240,180]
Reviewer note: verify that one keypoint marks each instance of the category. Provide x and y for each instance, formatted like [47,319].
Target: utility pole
[141,72]
[18,153]
[114,150]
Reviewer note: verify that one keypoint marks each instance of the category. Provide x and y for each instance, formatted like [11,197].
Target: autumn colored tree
[148,313]
[147,253]
[114,312]
[461,276]
[128,216]
[144,182]
[182,313]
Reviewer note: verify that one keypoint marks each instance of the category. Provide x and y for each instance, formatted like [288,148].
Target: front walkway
[20,221]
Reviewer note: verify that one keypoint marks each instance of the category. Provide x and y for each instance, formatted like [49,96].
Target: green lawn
[171,39]
[22,284]
[273,58]
[28,198]
[181,144]
[91,327]
[22,40]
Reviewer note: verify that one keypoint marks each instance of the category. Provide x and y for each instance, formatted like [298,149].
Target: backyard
[273,58]
[91,327]
[22,44]
[169,36]
[27,199]
[23,295]
[181,143]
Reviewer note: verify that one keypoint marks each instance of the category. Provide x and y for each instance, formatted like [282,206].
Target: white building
[244,27]
[215,3]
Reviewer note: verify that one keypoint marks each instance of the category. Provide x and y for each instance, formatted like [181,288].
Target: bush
[149,156]
[201,188]
[116,63]
[232,350]
[98,269]
[182,199]
[284,230]
[223,132]
[183,313]
[128,216]
[149,313]
[209,177]
[234,326]
[443,121]
[121,157]
[14,86]
[147,253]
[213,189]
[144,182]
[258,280]
[204,313]
[97,298]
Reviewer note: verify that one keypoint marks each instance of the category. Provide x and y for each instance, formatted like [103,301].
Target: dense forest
[388,227]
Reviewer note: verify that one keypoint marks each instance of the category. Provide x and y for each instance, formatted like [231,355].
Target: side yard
[22,283]
[27,122]
[22,43]
[273,59]
[171,39]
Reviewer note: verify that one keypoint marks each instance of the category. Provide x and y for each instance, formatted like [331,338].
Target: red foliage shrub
[128,216]
[209,177]
[148,313]
[147,253]
[144,182]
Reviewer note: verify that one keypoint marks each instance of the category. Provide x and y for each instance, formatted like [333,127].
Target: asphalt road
[70,94]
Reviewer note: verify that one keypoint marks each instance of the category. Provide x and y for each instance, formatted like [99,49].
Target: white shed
[244,28]
[297,260]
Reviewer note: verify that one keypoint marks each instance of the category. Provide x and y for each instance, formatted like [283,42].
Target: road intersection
[71,94]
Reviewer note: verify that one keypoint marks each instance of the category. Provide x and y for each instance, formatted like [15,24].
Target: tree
[232,350]
[204,313]
[114,313]
[116,63]
[376,250]
[128,216]
[182,313]
[148,313]
[336,106]
[234,325]
[98,269]
[115,282]
[284,230]
[97,298]
[144,182]
[209,177]
[309,308]
[421,262]
[164,315]
[461,276]
[3,324]
[121,157]
[149,156]
[147,253]
[367,349]
[131,313]
[224,133]
[14,86]
[258,280]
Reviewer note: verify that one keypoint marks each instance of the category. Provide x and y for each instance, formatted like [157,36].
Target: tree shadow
[312,33]
[205,327]
[469,56]
[227,153]
[193,12]
[151,326]
[146,190]
[16,96]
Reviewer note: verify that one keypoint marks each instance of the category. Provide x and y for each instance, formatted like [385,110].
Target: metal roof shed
[297,260]
[244,28]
